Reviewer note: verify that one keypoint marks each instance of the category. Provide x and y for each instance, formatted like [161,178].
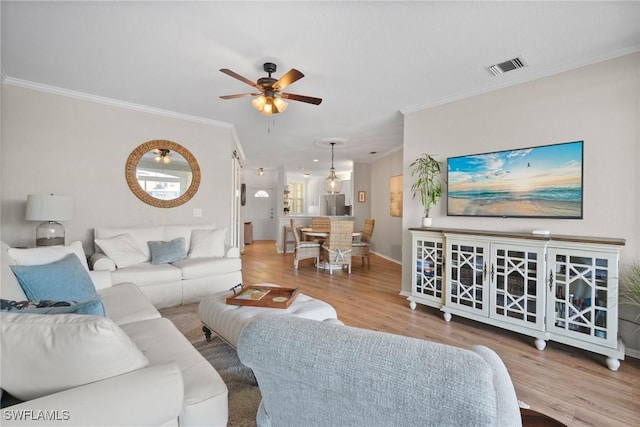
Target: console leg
[613,363]
[412,305]
[541,344]
[447,316]
[207,333]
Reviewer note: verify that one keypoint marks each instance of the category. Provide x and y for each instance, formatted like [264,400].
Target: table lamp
[50,209]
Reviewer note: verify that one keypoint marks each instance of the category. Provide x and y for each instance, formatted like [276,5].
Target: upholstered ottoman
[227,321]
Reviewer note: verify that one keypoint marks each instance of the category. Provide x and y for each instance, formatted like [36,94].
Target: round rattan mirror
[162,173]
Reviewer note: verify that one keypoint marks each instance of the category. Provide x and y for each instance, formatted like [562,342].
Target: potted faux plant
[428,184]
[630,289]
[629,313]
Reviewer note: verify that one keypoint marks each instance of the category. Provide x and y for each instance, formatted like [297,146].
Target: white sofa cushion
[174,231]
[195,268]
[140,235]
[145,273]
[122,249]
[125,303]
[44,354]
[9,287]
[207,243]
[205,393]
[117,401]
[48,254]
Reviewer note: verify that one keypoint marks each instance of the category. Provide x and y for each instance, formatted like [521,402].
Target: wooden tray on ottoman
[263,296]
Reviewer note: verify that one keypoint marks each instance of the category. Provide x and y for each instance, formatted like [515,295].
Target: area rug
[244,394]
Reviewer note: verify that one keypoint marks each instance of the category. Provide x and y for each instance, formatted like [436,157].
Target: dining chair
[303,250]
[337,248]
[362,247]
[322,224]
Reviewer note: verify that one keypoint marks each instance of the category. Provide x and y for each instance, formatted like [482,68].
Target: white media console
[549,287]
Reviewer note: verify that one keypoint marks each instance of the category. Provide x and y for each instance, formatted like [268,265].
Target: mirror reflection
[163,173]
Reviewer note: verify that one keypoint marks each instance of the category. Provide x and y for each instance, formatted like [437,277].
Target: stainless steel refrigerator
[333,205]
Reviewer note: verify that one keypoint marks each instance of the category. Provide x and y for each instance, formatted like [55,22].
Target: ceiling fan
[270,98]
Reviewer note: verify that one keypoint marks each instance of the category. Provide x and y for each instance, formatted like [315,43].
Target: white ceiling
[368,60]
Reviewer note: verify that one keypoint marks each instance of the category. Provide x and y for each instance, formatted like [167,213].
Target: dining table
[322,235]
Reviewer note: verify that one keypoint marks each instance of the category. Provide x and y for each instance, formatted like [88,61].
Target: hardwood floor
[568,384]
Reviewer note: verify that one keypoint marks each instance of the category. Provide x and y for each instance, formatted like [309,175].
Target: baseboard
[387,258]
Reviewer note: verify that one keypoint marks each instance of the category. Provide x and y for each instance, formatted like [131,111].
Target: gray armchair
[314,373]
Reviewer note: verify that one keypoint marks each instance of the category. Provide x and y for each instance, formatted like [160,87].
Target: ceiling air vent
[510,65]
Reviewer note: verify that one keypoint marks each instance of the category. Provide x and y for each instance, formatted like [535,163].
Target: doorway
[260,210]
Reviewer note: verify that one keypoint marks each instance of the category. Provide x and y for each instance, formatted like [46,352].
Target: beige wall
[598,104]
[69,146]
[361,182]
[387,236]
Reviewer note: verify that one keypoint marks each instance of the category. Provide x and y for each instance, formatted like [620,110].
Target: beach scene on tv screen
[541,181]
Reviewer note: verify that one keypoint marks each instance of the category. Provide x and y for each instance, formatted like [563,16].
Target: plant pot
[426,221]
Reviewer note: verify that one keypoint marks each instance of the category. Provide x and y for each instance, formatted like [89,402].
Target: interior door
[260,210]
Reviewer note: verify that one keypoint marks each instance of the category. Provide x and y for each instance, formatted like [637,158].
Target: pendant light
[332,184]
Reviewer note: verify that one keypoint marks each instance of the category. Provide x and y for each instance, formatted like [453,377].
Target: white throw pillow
[207,243]
[48,254]
[9,287]
[122,249]
[44,354]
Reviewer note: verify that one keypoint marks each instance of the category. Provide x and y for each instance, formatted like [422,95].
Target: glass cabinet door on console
[467,277]
[427,285]
[499,282]
[583,291]
[517,287]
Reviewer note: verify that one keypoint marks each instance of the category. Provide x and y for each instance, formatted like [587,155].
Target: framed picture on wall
[362,196]
[395,190]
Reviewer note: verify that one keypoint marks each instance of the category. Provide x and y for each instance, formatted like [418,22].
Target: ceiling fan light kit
[270,99]
[269,105]
[163,156]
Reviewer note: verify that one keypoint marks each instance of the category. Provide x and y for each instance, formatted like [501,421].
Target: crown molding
[26,84]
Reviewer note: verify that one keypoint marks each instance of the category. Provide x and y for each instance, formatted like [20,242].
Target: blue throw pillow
[64,280]
[167,252]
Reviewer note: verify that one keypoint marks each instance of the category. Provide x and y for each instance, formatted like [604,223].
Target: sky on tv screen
[539,181]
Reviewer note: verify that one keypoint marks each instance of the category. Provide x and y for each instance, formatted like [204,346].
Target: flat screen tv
[535,182]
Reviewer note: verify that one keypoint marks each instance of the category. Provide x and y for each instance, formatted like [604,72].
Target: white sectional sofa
[210,266]
[130,368]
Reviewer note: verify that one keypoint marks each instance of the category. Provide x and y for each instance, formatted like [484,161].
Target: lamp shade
[48,207]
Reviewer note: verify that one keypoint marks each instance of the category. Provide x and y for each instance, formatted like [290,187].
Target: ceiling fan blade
[291,77]
[302,98]
[235,75]
[239,95]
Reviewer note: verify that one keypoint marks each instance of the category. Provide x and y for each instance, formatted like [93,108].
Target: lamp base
[50,233]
